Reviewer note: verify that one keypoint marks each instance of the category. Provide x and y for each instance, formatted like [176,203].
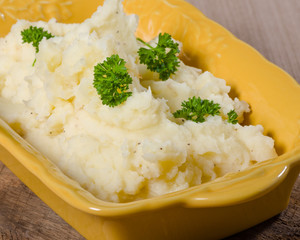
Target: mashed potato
[135,150]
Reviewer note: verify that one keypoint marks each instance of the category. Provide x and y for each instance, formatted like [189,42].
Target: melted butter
[67,11]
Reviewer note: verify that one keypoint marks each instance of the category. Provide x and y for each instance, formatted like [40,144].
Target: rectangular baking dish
[212,210]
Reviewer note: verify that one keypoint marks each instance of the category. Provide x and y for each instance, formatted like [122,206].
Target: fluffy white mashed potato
[137,149]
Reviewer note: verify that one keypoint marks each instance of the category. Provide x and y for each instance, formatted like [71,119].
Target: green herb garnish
[112,80]
[232,117]
[35,35]
[196,109]
[162,58]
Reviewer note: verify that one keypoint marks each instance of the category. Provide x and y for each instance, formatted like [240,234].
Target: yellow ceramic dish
[209,211]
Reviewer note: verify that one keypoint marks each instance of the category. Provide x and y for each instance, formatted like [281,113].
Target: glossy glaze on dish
[259,192]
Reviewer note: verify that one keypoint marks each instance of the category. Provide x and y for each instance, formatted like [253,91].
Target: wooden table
[270,26]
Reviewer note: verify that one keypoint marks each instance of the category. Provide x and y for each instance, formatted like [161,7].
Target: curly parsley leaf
[112,80]
[35,35]
[196,109]
[232,117]
[162,58]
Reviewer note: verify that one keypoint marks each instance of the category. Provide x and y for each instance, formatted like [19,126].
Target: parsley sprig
[232,117]
[196,109]
[162,58]
[112,80]
[35,35]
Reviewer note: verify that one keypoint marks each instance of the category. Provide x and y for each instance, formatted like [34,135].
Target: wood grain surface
[270,26]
